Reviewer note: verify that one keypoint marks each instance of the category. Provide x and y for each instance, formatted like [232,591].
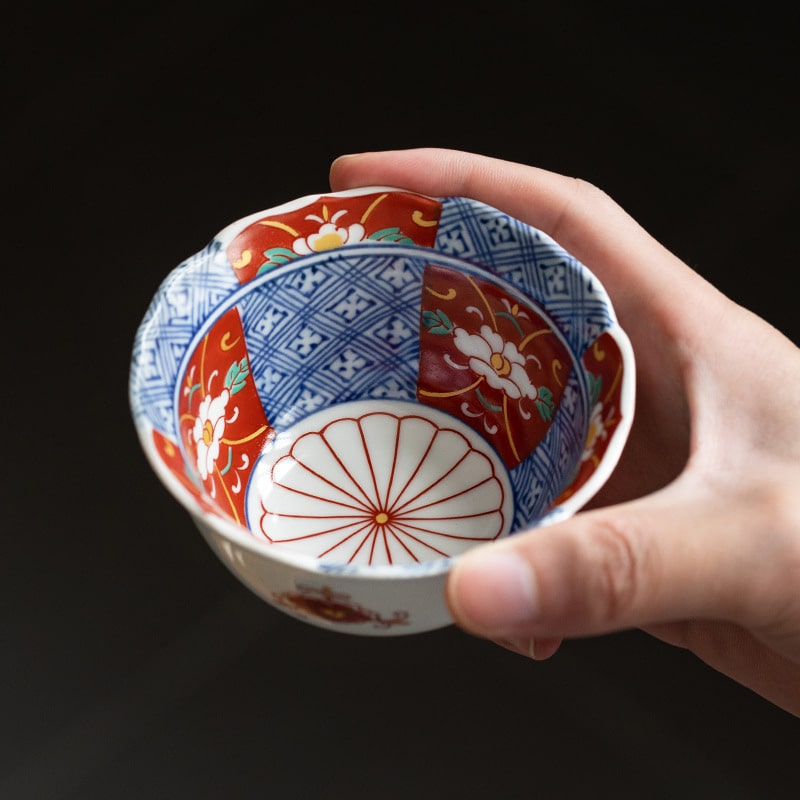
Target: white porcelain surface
[348,391]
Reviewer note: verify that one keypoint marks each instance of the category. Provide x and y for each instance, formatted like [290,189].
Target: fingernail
[345,157]
[523,647]
[526,647]
[493,592]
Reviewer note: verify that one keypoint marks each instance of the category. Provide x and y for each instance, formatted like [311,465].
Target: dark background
[132,663]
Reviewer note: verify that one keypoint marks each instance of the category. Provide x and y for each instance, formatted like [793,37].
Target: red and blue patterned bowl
[348,391]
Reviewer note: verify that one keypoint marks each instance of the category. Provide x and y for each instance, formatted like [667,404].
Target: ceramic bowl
[348,391]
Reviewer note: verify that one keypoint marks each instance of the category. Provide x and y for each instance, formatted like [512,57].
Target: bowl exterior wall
[333,599]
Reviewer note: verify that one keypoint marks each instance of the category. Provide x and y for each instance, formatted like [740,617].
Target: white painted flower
[597,432]
[496,360]
[329,236]
[209,427]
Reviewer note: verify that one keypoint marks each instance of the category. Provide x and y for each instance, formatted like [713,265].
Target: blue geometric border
[198,288]
[183,302]
[532,261]
[343,325]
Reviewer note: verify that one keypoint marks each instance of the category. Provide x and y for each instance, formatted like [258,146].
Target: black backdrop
[132,663]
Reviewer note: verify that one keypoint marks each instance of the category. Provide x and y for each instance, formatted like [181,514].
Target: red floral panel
[490,360]
[603,364]
[222,422]
[330,222]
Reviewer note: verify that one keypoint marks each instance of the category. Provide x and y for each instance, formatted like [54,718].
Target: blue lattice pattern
[202,285]
[344,326]
[539,480]
[334,331]
[530,260]
[183,302]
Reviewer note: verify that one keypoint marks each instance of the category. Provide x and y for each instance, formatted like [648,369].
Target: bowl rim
[241,536]
[233,229]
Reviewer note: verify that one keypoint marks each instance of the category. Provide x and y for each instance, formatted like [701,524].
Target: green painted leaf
[595,386]
[437,322]
[192,390]
[282,254]
[390,235]
[485,403]
[511,318]
[236,377]
[230,461]
[276,256]
[545,404]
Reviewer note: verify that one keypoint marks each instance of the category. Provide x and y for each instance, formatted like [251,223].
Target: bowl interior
[382,401]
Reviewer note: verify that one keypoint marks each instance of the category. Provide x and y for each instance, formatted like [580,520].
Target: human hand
[696,536]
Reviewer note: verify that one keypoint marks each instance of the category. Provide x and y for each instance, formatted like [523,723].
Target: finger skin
[696,535]
[644,567]
[578,215]
[639,273]
[682,554]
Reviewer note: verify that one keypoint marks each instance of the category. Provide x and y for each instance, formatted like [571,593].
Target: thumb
[676,554]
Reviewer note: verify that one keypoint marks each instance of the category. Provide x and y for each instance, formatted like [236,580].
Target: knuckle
[625,565]
[780,515]
[590,189]
[591,195]
[776,517]
[781,509]
[768,568]
[584,198]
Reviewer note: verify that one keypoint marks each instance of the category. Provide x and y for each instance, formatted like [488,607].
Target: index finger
[579,216]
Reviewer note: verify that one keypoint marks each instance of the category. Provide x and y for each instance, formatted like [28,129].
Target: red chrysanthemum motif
[382,489]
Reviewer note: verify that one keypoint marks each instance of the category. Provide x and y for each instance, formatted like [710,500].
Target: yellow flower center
[208,433]
[328,241]
[500,365]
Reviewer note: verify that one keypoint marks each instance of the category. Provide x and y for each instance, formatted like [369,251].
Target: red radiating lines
[378,520]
